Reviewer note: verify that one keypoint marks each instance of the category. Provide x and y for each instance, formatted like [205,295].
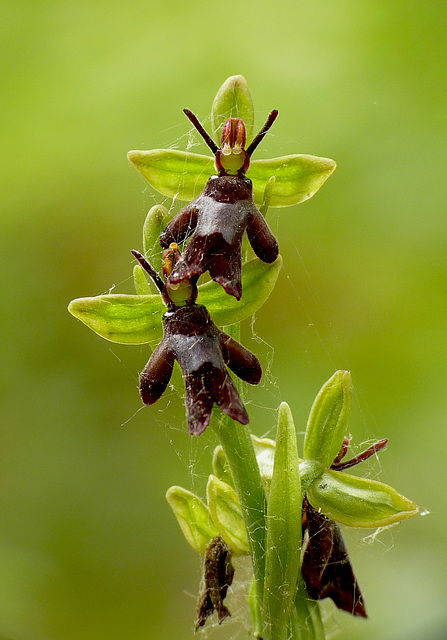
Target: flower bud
[226,512]
[193,517]
[328,419]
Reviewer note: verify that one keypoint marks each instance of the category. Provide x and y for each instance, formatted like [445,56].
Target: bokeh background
[88,546]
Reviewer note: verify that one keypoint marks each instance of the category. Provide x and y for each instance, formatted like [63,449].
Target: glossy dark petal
[156,375]
[180,227]
[192,338]
[225,210]
[206,386]
[326,569]
[240,360]
[262,240]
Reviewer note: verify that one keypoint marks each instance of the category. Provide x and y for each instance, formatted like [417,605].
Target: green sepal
[142,286]
[305,618]
[173,172]
[265,455]
[183,175]
[122,318]
[193,516]
[359,502]
[328,419]
[156,221]
[233,100]
[137,319]
[283,530]
[221,468]
[298,178]
[258,282]
[226,512]
[267,197]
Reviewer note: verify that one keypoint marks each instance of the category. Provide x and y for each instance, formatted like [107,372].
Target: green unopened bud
[328,419]
[193,517]
[221,467]
[226,512]
[233,100]
[359,502]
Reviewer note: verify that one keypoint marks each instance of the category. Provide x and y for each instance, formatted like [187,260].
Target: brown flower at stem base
[326,568]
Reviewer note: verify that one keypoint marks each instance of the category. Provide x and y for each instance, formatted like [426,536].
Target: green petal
[183,175]
[156,221]
[359,502]
[283,535]
[226,512]
[137,319]
[193,517]
[233,100]
[258,281]
[328,419]
[172,172]
[122,318]
[142,286]
[298,178]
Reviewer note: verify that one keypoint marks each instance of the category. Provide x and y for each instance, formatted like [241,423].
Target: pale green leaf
[221,467]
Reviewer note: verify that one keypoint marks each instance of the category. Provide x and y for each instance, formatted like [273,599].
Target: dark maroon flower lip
[216,222]
[326,569]
[203,353]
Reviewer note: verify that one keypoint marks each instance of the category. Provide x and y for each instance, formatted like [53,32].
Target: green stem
[237,445]
[238,448]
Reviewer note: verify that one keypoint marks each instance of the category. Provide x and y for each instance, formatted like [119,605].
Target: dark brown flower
[218,573]
[216,222]
[202,351]
[217,219]
[326,569]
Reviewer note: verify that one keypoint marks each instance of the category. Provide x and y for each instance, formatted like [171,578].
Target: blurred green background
[88,546]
